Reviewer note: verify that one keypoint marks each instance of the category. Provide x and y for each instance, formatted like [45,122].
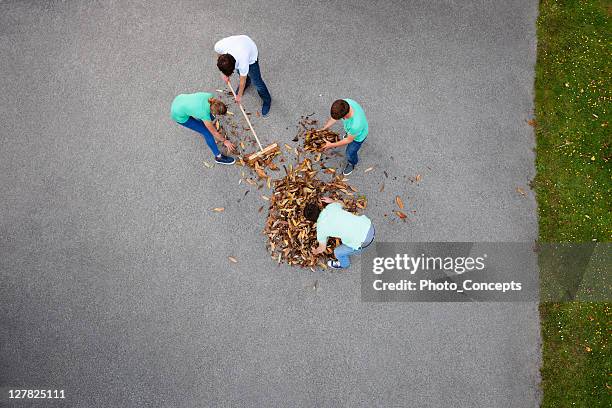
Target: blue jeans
[198,126]
[262,89]
[351,151]
[343,252]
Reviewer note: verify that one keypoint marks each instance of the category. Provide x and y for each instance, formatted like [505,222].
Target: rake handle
[245,116]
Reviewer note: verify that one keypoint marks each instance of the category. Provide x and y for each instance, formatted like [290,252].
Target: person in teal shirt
[355,126]
[197,112]
[355,231]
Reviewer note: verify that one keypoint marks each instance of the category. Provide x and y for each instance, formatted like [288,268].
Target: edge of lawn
[572,184]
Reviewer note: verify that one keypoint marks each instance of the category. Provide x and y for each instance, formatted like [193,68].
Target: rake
[263,151]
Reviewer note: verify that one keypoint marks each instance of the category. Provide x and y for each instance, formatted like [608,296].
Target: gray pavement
[115,283]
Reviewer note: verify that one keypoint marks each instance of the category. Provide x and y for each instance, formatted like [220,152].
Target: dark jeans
[351,151]
[198,126]
[262,89]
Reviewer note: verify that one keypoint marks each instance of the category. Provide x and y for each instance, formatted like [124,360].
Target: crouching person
[355,231]
[197,112]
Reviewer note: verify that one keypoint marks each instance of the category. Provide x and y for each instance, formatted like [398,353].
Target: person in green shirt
[355,126]
[197,112]
[356,231]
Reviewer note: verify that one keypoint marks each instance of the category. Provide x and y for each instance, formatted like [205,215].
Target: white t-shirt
[242,48]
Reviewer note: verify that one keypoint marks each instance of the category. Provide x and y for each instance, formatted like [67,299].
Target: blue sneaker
[334,264]
[348,169]
[265,109]
[223,159]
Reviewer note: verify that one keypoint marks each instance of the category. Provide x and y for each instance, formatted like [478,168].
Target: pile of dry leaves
[291,237]
[314,140]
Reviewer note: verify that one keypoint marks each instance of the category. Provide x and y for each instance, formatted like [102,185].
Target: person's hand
[327,145]
[225,78]
[317,251]
[229,145]
[238,98]
[327,200]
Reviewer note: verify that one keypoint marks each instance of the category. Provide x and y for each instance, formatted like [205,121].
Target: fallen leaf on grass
[532,123]
[232,259]
[218,209]
[399,202]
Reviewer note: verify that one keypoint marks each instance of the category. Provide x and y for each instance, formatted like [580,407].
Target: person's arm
[320,249]
[348,139]
[218,136]
[330,122]
[241,88]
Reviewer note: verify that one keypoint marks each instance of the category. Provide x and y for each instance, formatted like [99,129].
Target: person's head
[311,212]
[339,109]
[217,107]
[226,64]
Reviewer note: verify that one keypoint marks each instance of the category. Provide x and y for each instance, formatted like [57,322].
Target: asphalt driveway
[115,282]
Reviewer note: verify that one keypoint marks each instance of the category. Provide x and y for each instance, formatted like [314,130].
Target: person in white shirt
[239,52]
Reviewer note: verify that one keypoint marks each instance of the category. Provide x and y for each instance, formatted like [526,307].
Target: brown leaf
[218,209]
[521,191]
[532,123]
[232,259]
[399,202]
[401,214]
[382,187]
[265,197]
[417,178]
[260,209]
[368,169]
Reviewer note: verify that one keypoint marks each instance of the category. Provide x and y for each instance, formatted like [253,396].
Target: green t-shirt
[336,222]
[356,125]
[195,105]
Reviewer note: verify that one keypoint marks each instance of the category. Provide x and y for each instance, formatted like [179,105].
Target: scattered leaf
[401,214]
[521,191]
[232,259]
[368,169]
[218,209]
[399,202]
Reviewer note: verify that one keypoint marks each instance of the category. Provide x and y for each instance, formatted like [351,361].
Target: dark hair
[311,212]
[339,109]
[219,107]
[226,64]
